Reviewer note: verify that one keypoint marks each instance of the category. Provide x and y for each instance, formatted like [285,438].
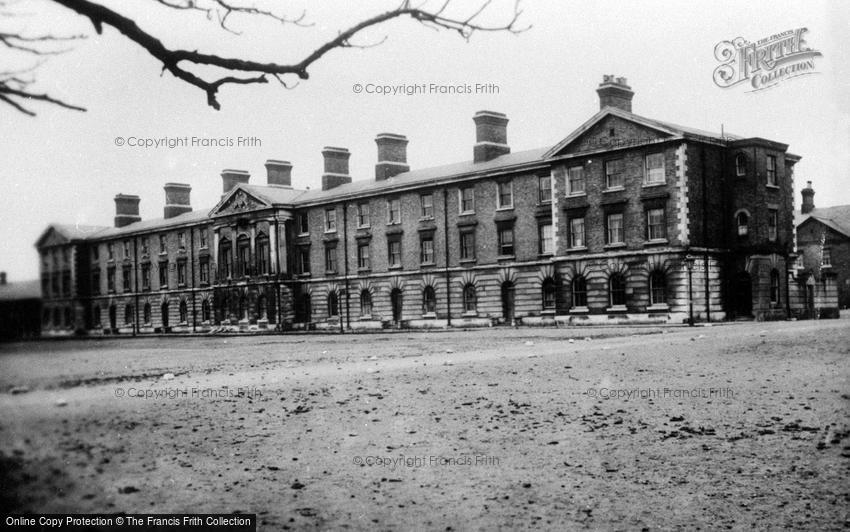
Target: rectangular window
[126,249]
[654,168]
[110,251]
[181,273]
[467,245]
[467,200]
[302,259]
[506,195]
[544,235]
[181,240]
[126,275]
[772,223]
[145,246]
[95,281]
[771,170]
[363,262]
[363,219]
[394,211]
[243,257]
[577,233]
[394,253]
[427,203]
[330,220]
[66,282]
[110,280]
[614,173]
[544,189]
[303,226]
[202,234]
[426,250]
[740,165]
[205,271]
[656,228]
[162,248]
[826,258]
[163,275]
[506,240]
[263,255]
[94,253]
[614,228]
[146,276]
[330,259]
[575,180]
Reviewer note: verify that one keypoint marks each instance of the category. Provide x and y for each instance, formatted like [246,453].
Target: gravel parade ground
[736,426]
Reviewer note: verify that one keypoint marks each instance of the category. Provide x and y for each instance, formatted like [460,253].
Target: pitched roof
[20,290]
[154,223]
[837,218]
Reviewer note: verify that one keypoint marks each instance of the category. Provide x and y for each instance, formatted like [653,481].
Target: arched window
[146,314]
[184,312]
[470,301]
[205,310]
[164,310]
[774,286]
[579,291]
[333,305]
[304,308]
[225,258]
[429,300]
[740,165]
[657,288]
[548,290]
[617,290]
[128,314]
[365,303]
[743,221]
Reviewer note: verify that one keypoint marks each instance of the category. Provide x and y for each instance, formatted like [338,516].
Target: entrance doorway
[396,300]
[743,295]
[508,297]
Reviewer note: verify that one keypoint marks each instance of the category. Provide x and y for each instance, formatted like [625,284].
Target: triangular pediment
[595,134]
[51,237]
[238,201]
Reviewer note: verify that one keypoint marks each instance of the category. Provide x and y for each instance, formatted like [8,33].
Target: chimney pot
[491,136]
[392,156]
[336,167]
[177,199]
[279,173]
[126,209]
[615,92]
[231,178]
[2,278]
[808,199]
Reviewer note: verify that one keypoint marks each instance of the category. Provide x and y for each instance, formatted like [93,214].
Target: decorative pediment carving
[238,202]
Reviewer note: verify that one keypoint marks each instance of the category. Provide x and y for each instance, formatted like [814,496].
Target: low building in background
[625,220]
[20,309]
[823,241]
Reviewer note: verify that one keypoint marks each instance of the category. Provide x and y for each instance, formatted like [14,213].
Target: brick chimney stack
[279,173]
[2,278]
[808,198]
[615,92]
[231,178]
[336,167]
[177,199]
[392,156]
[491,136]
[126,210]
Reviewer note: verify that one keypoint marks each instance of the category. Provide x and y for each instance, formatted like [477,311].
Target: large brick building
[627,219]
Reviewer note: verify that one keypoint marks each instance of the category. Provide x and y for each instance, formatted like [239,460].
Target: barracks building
[626,220]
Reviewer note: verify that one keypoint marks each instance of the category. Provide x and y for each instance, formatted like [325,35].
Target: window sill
[427,264]
[466,213]
[393,223]
[576,249]
[614,189]
[364,270]
[548,312]
[429,315]
[506,257]
[394,267]
[545,255]
[468,261]
[426,219]
[365,317]
[470,314]
[656,242]
[576,195]
[304,275]
[615,245]
[303,234]
[768,185]
[330,273]
[658,307]
[650,185]
[579,310]
[617,308]
[544,203]
[330,231]
[363,227]
[509,208]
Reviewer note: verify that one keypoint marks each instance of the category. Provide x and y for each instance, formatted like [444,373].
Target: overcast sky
[64,166]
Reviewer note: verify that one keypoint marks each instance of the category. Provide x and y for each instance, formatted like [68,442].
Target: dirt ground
[733,426]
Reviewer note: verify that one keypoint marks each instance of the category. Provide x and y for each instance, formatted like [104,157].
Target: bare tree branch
[174,60]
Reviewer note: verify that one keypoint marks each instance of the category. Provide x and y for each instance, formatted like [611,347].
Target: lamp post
[689,264]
